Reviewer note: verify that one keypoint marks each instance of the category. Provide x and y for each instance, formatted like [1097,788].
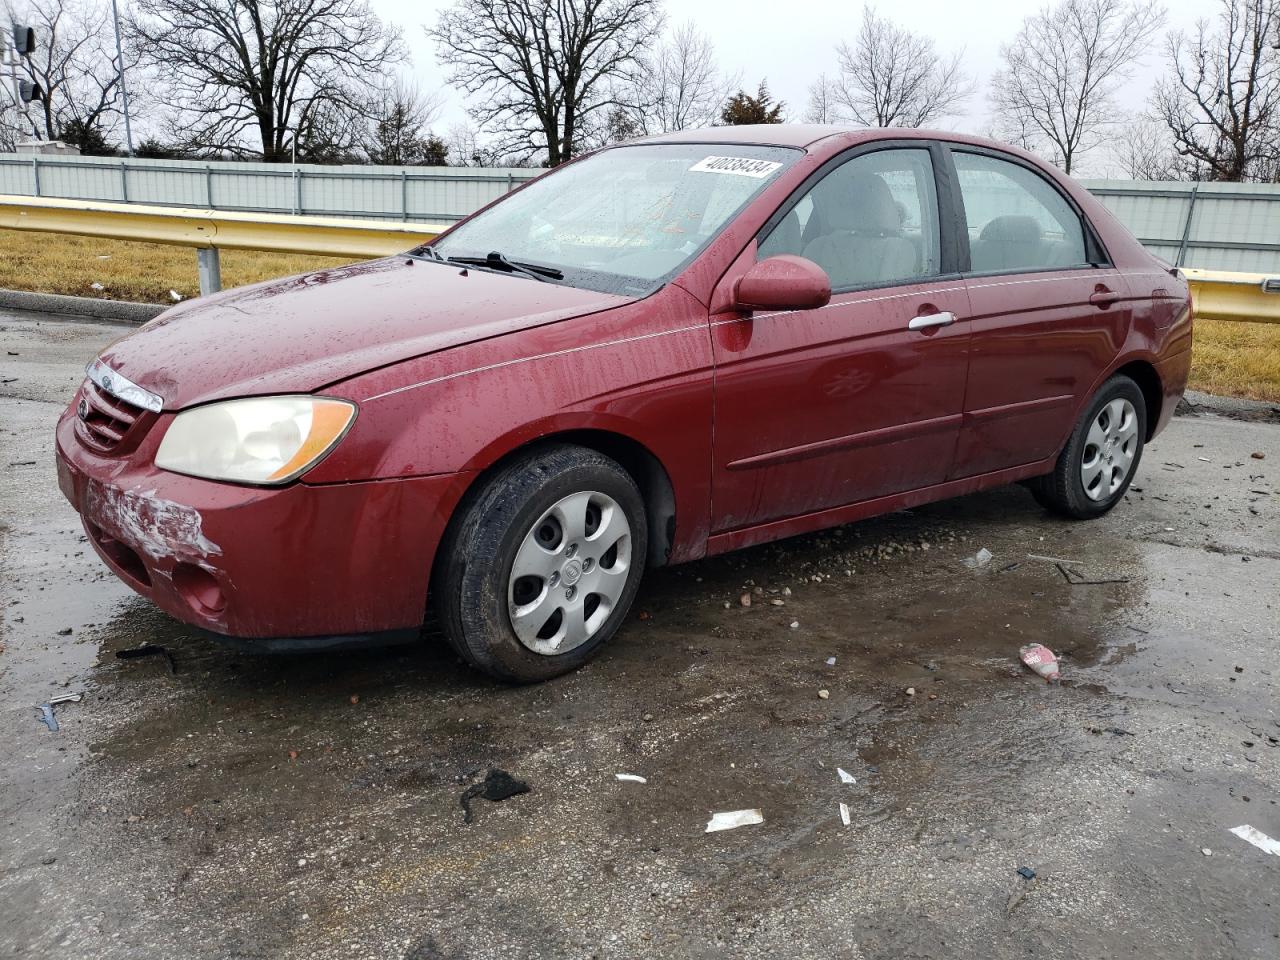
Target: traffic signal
[24,40]
[29,90]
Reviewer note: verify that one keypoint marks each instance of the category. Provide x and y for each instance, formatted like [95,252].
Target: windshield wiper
[497,261]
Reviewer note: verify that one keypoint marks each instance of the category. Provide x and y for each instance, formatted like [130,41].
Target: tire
[1109,438]
[537,511]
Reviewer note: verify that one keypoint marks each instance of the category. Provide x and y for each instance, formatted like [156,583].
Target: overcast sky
[791,43]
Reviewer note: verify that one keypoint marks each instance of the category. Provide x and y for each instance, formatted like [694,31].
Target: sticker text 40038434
[739,166]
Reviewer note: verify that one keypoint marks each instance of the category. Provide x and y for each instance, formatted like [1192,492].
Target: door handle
[1102,297]
[944,319]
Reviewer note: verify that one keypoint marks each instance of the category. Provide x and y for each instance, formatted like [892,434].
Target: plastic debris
[1026,873]
[979,559]
[497,786]
[97,286]
[831,661]
[846,776]
[47,718]
[732,819]
[844,814]
[824,694]
[175,296]
[630,777]
[66,698]
[1257,838]
[1042,660]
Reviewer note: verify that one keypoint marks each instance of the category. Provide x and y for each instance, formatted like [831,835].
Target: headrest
[1012,229]
[861,203]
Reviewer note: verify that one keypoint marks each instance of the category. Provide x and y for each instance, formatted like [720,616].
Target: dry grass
[1230,359]
[145,272]
[1237,359]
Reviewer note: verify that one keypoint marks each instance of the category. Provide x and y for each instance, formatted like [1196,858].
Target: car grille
[103,421]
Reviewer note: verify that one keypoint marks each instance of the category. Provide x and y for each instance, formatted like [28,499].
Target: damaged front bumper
[301,566]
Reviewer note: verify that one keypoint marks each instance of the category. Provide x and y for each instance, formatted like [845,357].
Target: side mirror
[784,282]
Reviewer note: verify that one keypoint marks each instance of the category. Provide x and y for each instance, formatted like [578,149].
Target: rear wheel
[1099,461]
[542,564]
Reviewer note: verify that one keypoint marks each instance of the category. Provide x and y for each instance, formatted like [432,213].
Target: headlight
[267,440]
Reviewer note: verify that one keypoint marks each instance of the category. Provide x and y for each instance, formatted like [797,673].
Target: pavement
[308,807]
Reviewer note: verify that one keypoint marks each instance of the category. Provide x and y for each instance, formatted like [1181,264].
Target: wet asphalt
[309,806]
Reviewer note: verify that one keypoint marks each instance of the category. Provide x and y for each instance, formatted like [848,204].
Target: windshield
[626,219]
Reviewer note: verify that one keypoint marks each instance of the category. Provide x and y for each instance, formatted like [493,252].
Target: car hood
[302,333]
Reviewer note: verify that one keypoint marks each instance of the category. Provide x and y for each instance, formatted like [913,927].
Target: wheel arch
[643,466]
[1144,374]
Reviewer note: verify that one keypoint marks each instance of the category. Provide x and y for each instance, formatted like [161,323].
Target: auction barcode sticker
[739,166]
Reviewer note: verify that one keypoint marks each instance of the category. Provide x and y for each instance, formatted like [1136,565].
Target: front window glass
[872,221]
[624,219]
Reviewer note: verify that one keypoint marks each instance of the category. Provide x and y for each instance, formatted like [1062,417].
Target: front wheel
[1098,463]
[542,564]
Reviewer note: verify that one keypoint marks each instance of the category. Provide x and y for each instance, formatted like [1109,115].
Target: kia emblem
[106,383]
[82,411]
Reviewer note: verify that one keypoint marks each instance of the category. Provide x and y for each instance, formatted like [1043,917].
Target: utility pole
[124,93]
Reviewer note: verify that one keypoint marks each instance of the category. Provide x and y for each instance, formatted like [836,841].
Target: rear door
[820,408]
[1048,311]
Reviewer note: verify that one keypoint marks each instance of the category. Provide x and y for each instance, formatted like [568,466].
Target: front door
[816,409]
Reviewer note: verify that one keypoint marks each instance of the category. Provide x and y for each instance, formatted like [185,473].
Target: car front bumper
[300,566]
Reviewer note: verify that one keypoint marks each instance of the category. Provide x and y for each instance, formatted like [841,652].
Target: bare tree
[75,66]
[542,73]
[14,127]
[1061,72]
[256,77]
[1143,150]
[891,77]
[679,85]
[1221,98]
[465,147]
[400,133]
[822,101]
[620,125]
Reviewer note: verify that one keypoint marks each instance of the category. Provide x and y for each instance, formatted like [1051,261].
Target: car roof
[806,135]
[765,134]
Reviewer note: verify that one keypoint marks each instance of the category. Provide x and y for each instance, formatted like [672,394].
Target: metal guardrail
[209,231]
[1239,297]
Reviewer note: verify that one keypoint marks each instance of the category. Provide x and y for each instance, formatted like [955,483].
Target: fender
[641,371]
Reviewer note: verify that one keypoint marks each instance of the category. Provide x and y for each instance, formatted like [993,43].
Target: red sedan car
[659,352]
